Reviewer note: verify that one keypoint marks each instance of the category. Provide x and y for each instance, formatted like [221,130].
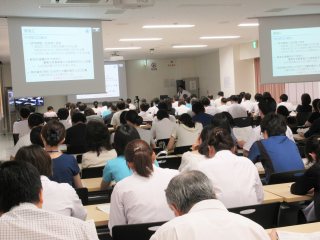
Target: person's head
[35,119]
[315,104]
[210,97]
[273,125]
[49,108]
[121,105]
[220,139]
[283,97]
[224,101]
[35,136]
[24,112]
[156,101]
[220,94]
[205,101]
[139,157]
[82,106]
[104,104]
[282,110]
[186,120]
[312,149]
[78,117]
[187,189]
[258,97]
[133,118]
[67,105]
[247,96]
[305,99]
[97,137]
[267,105]
[180,88]
[161,114]
[234,99]
[38,157]
[96,104]
[32,109]
[198,107]
[128,100]
[162,105]
[63,113]
[89,112]
[266,95]
[19,183]
[204,137]
[221,120]
[143,100]
[144,107]
[53,133]
[123,135]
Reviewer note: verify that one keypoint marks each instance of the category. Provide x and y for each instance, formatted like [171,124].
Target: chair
[162,143]
[172,162]
[98,197]
[93,172]
[242,122]
[141,231]
[264,214]
[285,177]
[83,195]
[182,149]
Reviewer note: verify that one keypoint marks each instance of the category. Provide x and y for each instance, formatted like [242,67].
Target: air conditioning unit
[133,3]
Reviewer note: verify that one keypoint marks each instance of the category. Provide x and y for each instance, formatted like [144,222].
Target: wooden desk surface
[283,190]
[99,217]
[271,198]
[93,184]
[297,137]
[303,228]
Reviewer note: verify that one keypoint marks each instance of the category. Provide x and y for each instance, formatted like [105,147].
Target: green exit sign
[255,44]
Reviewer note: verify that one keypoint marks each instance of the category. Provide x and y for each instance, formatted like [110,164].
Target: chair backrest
[242,122]
[265,215]
[182,149]
[172,162]
[98,197]
[285,177]
[141,231]
[83,195]
[93,172]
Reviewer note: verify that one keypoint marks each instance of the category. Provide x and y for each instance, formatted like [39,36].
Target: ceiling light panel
[121,48]
[219,37]
[168,26]
[139,39]
[189,46]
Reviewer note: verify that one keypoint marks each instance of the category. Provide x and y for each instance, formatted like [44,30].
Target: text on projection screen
[52,54]
[112,83]
[295,51]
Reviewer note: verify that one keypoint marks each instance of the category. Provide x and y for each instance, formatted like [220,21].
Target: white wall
[208,71]
[227,77]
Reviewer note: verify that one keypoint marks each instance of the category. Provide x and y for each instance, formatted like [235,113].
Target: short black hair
[122,136]
[198,107]
[315,104]
[123,117]
[35,136]
[24,112]
[63,113]
[234,98]
[19,183]
[220,139]
[128,100]
[53,132]
[78,117]
[220,93]
[258,97]
[144,106]
[49,108]
[247,96]
[274,125]
[205,101]
[305,99]
[283,97]
[267,105]
[282,110]
[121,105]
[82,106]
[35,119]
[133,117]
[161,114]
[267,95]
[163,106]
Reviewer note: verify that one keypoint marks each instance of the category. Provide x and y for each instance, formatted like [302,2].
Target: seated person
[63,115]
[199,215]
[115,121]
[235,109]
[57,197]
[50,113]
[276,151]
[163,126]
[210,109]
[304,109]
[116,169]
[98,145]
[92,116]
[200,115]
[65,168]
[315,112]
[21,128]
[21,200]
[284,102]
[75,135]
[146,117]
[310,181]
[140,197]
[185,133]
[235,179]
[181,108]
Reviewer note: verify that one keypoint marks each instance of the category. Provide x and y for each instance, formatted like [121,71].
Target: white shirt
[248,105]
[256,108]
[186,136]
[61,198]
[147,117]
[23,141]
[210,220]
[182,109]
[90,159]
[132,106]
[256,135]
[66,123]
[288,105]
[223,108]
[190,161]
[175,104]
[21,128]
[115,121]
[50,114]
[97,111]
[235,179]
[237,111]
[217,102]
[153,110]
[138,199]
[28,222]
[146,136]
[211,110]
[162,129]
[184,92]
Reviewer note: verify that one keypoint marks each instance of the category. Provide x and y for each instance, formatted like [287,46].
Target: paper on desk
[104,207]
[298,236]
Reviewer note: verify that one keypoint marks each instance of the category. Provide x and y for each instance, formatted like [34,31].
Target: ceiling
[210,17]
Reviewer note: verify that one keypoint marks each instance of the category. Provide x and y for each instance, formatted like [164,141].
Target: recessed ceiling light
[219,37]
[139,39]
[169,26]
[248,24]
[189,46]
[121,48]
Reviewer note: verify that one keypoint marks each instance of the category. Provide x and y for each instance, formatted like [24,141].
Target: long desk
[283,190]
[303,228]
[99,217]
[271,198]
[93,184]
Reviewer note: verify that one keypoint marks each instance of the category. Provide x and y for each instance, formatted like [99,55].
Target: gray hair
[187,189]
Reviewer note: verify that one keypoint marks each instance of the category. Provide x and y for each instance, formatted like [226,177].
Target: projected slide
[112,83]
[57,53]
[295,51]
